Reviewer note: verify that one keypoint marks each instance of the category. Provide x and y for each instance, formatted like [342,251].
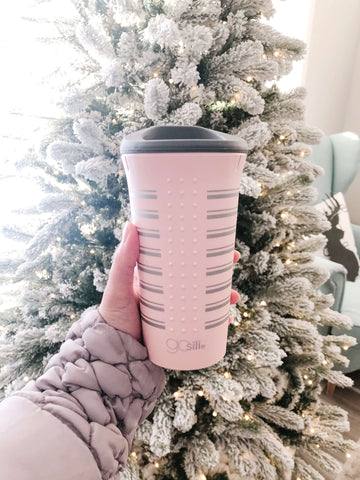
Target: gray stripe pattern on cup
[152,252]
[155,271]
[224,212]
[219,321]
[147,286]
[217,287]
[150,321]
[216,305]
[146,213]
[212,271]
[148,232]
[148,194]
[227,193]
[153,305]
[214,252]
[220,232]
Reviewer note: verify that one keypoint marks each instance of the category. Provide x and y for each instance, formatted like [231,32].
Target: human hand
[120,302]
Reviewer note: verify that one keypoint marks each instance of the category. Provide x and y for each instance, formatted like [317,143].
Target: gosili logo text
[174,346]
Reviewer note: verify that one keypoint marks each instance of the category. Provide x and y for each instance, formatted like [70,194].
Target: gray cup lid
[172,138]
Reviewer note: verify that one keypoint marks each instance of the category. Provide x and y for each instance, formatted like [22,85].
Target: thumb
[121,274]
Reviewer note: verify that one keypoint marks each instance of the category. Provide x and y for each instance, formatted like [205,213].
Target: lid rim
[152,140]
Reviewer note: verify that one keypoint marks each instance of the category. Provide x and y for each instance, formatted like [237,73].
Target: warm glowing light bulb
[200,393]
[249,357]
[246,417]
[133,454]
[348,455]
[156,465]
[310,382]
[345,347]
[176,394]
[306,377]
[214,414]
[249,78]
[92,251]
[276,54]
[227,375]
[155,74]
[171,80]
[282,137]
[263,303]
[26,378]
[83,203]
[312,430]
[202,476]
[324,362]
[302,154]
[284,215]
[288,261]
[245,314]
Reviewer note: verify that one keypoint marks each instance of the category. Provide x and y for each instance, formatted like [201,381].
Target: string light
[246,417]
[282,137]
[348,455]
[171,80]
[181,49]
[249,356]
[288,193]
[249,78]
[310,382]
[92,251]
[200,393]
[306,377]
[312,430]
[288,261]
[72,316]
[227,375]
[246,314]
[26,378]
[156,465]
[155,74]
[202,476]
[214,413]
[302,154]
[276,54]
[284,215]
[277,244]
[345,347]
[83,203]
[324,362]
[263,303]
[113,121]
[177,394]
[133,454]
[317,445]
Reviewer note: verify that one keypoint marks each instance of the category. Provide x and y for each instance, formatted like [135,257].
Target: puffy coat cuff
[102,385]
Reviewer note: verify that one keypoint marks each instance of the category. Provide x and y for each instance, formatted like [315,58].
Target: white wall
[331,75]
[332,67]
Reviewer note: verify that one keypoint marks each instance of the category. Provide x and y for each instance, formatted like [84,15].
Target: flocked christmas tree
[257,413]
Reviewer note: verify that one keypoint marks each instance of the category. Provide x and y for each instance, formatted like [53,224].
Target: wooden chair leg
[330,388]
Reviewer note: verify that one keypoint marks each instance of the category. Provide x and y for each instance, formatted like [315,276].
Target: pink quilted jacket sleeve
[77,421]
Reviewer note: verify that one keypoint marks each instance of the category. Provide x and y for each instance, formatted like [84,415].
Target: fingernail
[126,232]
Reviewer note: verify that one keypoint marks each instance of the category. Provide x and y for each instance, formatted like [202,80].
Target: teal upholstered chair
[339,155]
